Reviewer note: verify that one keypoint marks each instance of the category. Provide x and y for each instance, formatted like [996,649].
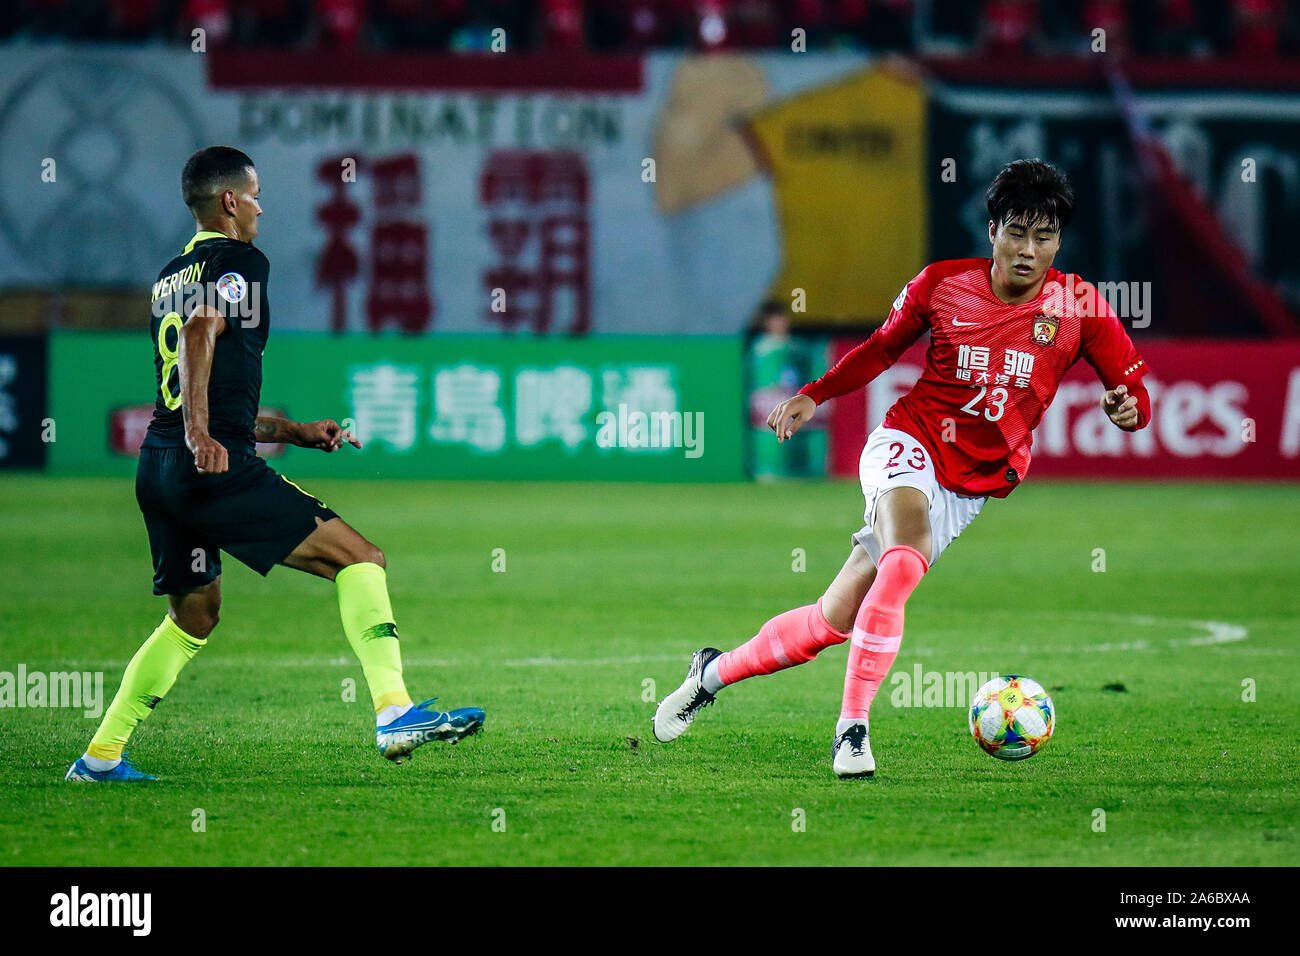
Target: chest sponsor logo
[973,366]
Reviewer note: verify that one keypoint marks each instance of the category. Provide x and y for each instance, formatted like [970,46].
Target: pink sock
[878,631]
[791,638]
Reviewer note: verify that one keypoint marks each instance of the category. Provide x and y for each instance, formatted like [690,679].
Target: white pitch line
[1220,633]
[566,661]
[1215,633]
[406,662]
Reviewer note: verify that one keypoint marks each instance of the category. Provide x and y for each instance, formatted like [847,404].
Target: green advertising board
[624,408]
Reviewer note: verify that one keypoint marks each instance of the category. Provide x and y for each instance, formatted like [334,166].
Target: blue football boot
[421,724]
[124,772]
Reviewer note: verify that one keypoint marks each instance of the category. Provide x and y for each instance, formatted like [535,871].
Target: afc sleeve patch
[232,287]
[898,303]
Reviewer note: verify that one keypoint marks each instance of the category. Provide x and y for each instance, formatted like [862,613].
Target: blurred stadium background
[491,221]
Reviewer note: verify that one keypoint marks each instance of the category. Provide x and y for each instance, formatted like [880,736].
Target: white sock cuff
[98,764]
[391,713]
[710,678]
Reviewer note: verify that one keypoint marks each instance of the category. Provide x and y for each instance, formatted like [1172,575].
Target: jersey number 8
[170,356]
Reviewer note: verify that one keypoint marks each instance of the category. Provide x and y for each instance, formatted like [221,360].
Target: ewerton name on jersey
[991,370]
[170,284]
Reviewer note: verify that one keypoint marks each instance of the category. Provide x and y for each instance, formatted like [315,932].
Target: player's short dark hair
[1031,191]
[210,171]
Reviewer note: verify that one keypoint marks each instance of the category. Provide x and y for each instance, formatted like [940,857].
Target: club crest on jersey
[232,287]
[1045,326]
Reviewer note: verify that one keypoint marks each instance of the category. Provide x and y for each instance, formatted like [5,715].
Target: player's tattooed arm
[196,343]
[273,430]
[326,434]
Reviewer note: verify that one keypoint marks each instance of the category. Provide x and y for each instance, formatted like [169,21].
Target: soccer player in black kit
[203,490]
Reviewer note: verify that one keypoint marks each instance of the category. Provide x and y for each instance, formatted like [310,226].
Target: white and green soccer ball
[1012,717]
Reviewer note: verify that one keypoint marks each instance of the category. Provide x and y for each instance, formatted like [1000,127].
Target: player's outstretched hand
[326,434]
[788,417]
[1121,407]
[210,456]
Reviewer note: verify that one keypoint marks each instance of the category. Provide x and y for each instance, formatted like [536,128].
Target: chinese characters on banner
[536,203]
[397,278]
[469,405]
[537,222]
[399,249]
[338,263]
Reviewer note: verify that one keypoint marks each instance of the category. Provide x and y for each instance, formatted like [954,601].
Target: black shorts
[250,512]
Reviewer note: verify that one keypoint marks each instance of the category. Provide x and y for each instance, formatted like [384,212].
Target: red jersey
[991,370]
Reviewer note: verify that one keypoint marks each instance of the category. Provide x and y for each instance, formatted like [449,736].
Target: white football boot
[678,709]
[852,750]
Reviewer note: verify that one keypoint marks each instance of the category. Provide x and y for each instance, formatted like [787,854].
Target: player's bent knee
[839,611]
[197,612]
[197,624]
[367,553]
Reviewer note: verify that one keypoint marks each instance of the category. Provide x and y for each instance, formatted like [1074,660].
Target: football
[1012,717]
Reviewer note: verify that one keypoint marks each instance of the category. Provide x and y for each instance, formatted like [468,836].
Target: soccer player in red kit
[1003,333]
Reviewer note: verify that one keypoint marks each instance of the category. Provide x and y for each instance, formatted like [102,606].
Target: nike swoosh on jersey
[959,322]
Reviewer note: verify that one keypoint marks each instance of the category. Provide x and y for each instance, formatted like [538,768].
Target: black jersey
[230,276]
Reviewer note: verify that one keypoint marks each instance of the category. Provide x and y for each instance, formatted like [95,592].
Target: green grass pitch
[607,587]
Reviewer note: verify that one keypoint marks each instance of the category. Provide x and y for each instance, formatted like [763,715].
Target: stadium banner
[668,193]
[847,163]
[454,194]
[1235,149]
[1220,409]
[482,407]
[25,429]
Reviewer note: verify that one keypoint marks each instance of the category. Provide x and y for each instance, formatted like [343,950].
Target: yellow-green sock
[148,678]
[368,622]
